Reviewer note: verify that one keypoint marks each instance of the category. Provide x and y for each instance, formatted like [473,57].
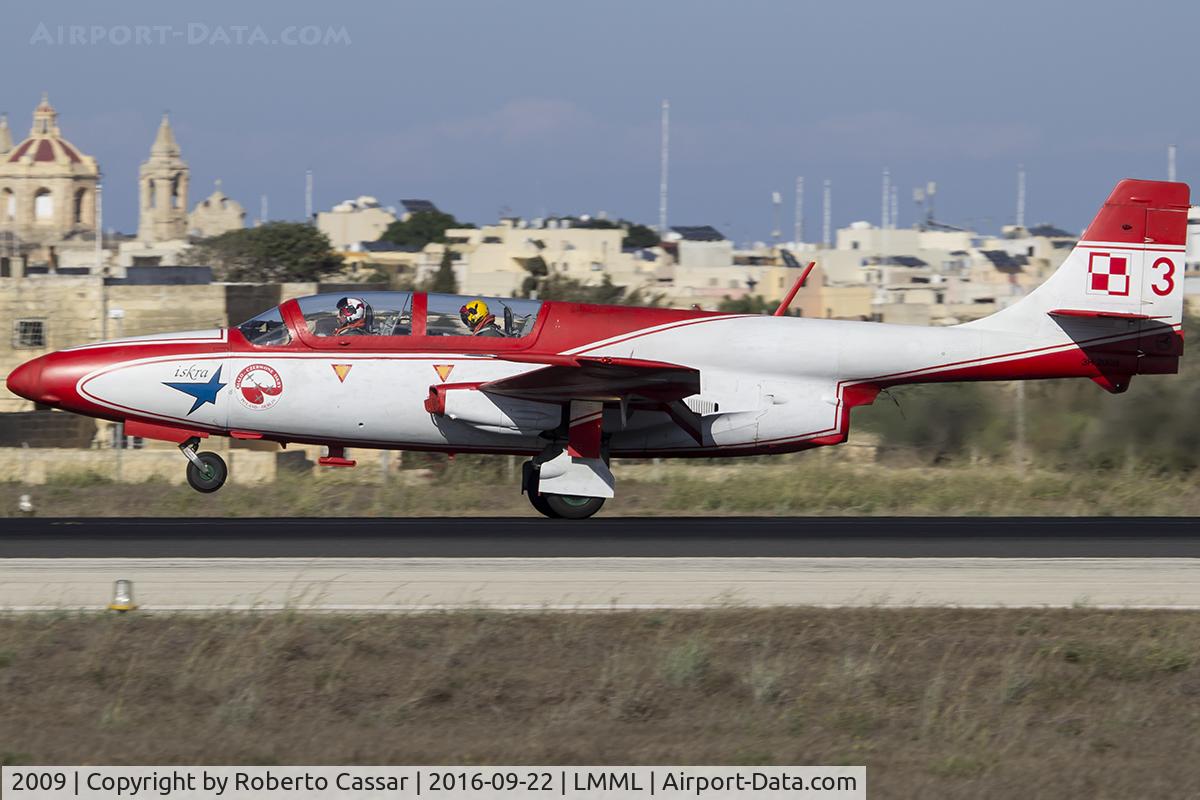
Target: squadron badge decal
[258,386]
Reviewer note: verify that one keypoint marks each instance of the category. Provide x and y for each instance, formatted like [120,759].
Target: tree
[747,304]
[639,236]
[636,236]
[571,290]
[272,253]
[1072,424]
[443,280]
[421,229]
[595,223]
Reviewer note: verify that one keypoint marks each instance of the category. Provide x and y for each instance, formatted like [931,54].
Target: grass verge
[802,485]
[936,702]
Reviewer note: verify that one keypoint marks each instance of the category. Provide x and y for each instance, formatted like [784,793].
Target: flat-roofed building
[353,221]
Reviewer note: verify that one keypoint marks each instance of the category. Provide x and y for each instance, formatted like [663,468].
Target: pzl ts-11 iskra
[572,386]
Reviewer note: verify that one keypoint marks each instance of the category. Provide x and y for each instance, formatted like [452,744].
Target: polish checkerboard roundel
[1109,273]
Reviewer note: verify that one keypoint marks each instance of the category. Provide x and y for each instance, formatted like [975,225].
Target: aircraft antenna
[1171,162]
[895,215]
[664,157]
[827,214]
[1020,195]
[799,230]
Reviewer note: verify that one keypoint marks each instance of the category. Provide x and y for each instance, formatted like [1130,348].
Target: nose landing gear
[207,471]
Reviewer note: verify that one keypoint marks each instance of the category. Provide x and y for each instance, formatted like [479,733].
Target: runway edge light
[122,597]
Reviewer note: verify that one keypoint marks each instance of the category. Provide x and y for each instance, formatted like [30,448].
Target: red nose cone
[26,381]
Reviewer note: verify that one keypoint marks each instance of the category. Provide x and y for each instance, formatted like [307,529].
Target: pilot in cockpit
[354,317]
[479,320]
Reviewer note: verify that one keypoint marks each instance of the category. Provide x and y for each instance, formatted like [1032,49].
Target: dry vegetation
[800,484]
[937,703]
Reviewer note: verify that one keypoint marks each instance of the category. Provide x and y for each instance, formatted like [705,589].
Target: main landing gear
[571,479]
[565,506]
[207,471]
[556,506]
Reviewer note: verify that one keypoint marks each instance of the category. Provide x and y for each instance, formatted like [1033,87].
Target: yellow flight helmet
[474,313]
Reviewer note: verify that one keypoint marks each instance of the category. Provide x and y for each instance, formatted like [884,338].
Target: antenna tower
[664,158]
[798,233]
[827,214]
[1020,195]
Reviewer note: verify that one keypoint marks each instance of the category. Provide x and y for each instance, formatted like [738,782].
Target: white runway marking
[422,584]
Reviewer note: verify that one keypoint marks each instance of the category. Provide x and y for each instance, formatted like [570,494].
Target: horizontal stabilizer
[1092,314]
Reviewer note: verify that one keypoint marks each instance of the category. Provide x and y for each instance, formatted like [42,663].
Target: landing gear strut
[207,471]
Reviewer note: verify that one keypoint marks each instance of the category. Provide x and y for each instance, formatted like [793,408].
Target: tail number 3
[1163,284]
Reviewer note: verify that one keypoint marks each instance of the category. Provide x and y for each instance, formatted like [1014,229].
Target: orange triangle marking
[342,371]
[443,370]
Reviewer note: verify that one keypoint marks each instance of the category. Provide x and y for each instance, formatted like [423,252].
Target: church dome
[45,143]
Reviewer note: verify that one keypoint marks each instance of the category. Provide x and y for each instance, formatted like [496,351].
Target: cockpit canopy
[390,314]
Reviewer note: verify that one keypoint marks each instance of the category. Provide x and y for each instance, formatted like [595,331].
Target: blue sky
[547,106]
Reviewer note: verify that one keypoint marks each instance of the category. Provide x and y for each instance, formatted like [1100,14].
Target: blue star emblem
[201,392]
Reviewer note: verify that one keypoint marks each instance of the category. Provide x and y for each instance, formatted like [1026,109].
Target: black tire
[212,477]
[568,506]
[538,501]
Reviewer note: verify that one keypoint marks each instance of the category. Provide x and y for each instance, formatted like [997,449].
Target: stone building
[163,181]
[216,214]
[47,187]
[354,221]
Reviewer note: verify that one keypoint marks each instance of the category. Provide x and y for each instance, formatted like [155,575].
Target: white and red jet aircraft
[572,385]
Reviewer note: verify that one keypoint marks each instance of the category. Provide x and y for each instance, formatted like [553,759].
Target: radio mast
[798,233]
[308,196]
[664,157]
[827,214]
[777,210]
[1020,195]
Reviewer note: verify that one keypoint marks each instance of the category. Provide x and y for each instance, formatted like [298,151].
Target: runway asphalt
[632,537]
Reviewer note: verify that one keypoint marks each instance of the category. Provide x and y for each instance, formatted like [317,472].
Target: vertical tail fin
[1119,294]
[1129,262]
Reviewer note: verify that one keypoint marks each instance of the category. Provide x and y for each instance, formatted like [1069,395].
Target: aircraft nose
[26,381]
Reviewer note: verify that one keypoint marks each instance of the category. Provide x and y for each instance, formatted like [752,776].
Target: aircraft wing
[602,379]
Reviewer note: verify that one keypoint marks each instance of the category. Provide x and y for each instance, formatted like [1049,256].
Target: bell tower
[164,188]
[5,135]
